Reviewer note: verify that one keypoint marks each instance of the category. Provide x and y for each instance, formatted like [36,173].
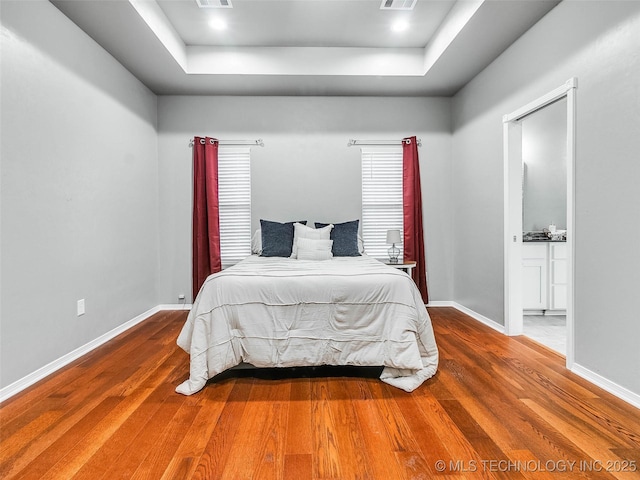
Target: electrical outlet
[181,297]
[80,307]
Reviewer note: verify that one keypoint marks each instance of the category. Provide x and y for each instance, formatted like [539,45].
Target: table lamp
[393,237]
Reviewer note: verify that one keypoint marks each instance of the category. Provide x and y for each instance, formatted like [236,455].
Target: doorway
[544,205]
[513,204]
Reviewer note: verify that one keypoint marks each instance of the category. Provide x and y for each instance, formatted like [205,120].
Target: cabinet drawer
[534,250]
[558,251]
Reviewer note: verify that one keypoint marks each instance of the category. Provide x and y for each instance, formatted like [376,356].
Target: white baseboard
[475,315]
[439,303]
[30,379]
[174,306]
[611,387]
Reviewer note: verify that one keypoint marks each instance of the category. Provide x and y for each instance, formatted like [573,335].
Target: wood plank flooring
[498,407]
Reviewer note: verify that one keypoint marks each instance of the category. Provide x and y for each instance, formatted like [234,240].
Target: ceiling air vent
[214,3]
[398,4]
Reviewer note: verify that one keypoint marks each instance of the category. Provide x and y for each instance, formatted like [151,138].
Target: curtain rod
[257,142]
[353,142]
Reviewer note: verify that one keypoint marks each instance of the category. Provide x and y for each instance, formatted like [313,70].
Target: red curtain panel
[206,211]
[412,206]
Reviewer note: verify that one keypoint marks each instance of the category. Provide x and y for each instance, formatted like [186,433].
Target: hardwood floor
[498,407]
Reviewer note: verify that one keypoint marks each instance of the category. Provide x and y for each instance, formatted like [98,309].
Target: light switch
[81,307]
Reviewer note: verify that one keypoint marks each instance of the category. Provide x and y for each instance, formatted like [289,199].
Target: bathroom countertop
[538,237]
[548,240]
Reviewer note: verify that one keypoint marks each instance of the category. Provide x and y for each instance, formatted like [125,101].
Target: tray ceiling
[305,47]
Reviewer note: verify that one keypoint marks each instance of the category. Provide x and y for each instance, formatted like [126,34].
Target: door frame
[512,137]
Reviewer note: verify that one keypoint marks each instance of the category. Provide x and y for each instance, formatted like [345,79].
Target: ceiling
[305,47]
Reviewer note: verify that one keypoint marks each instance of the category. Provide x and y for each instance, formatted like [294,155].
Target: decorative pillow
[345,238]
[302,231]
[277,238]
[312,249]
[256,242]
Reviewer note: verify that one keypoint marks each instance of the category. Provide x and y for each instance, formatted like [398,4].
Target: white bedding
[281,312]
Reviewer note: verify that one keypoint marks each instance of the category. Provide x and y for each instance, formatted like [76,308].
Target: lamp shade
[393,236]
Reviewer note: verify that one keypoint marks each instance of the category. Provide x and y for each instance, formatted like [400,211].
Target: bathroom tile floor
[549,330]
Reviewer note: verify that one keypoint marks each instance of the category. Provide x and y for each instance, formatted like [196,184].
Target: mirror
[544,157]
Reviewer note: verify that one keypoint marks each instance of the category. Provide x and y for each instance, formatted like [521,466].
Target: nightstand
[406,266]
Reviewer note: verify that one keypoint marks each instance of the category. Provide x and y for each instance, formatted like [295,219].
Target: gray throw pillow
[345,238]
[277,238]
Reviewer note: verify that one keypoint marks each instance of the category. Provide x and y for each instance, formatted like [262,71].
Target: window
[381,198]
[234,196]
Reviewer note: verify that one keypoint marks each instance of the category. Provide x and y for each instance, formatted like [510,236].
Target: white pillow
[256,242]
[312,249]
[302,231]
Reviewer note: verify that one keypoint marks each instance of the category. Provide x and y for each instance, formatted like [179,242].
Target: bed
[290,312]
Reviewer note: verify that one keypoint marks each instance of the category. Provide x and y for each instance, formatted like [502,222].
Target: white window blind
[234,196]
[381,198]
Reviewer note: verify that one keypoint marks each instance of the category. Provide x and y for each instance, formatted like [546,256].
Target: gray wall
[544,153]
[305,170]
[79,193]
[597,42]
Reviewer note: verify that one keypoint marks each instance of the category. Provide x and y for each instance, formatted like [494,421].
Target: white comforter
[280,312]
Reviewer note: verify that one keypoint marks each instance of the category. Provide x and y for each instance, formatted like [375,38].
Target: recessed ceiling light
[400,26]
[214,3]
[395,4]
[217,24]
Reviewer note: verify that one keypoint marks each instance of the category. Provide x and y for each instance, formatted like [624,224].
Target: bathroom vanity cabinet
[544,277]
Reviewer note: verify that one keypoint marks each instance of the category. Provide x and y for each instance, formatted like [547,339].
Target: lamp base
[394,253]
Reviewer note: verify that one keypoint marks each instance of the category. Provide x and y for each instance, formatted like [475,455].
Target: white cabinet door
[558,272]
[534,284]
[558,297]
[534,276]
